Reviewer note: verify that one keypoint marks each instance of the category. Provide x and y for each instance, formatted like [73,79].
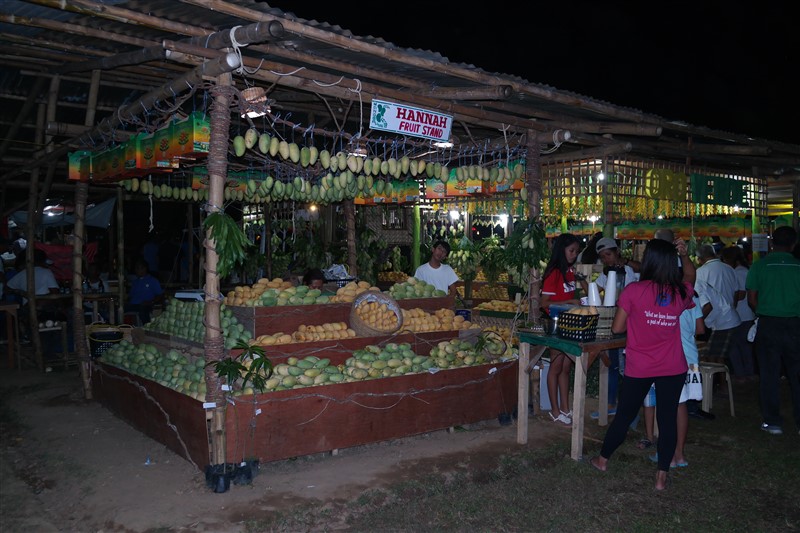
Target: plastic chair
[707,371]
[131,318]
[61,328]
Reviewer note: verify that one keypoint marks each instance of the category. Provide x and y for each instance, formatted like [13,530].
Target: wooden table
[584,354]
[10,309]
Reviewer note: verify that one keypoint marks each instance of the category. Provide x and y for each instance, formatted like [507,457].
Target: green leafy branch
[492,259]
[230,241]
[527,248]
[250,366]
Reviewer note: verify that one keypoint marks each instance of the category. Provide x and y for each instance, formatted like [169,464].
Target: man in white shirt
[716,286]
[43,278]
[44,283]
[609,254]
[437,273]
[741,353]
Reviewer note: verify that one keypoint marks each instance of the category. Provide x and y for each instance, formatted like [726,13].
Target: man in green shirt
[773,291]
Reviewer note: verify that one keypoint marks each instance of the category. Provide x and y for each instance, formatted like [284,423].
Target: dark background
[714,64]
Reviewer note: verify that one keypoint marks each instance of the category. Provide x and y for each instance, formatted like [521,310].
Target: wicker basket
[102,337]
[605,320]
[363,329]
[581,328]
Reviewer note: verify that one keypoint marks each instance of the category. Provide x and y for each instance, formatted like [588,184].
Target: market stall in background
[328,151]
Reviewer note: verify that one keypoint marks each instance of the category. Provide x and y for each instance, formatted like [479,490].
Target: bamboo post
[268,239]
[533,175]
[350,218]
[416,239]
[30,236]
[523,393]
[81,196]
[120,254]
[78,324]
[189,244]
[220,118]
[214,67]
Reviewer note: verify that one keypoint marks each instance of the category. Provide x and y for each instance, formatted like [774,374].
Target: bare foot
[661,480]
[600,463]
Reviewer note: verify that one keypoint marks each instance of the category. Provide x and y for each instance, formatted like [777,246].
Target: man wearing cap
[609,254]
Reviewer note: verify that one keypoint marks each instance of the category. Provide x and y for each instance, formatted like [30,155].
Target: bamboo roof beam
[125,16]
[213,67]
[352,90]
[347,42]
[111,80]
[72,29]
[614,128]
[731,149]
[243,35]
[772,162]
[137,57]
[538,91]
[221,39]
[61,103]
[488,92]
[120,14]
[591,153]
[30,101]
[344,41]
[64,129]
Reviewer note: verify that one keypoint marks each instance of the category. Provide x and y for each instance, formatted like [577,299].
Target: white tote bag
[694,383]
[751,333]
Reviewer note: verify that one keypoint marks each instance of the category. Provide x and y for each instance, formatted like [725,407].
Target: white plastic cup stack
[594,294]
[610,297]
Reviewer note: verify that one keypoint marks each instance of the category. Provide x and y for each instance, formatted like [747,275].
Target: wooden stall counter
[285,424]
[287,318]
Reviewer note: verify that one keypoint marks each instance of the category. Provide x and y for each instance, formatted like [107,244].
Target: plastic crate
[341,282]
[574,327]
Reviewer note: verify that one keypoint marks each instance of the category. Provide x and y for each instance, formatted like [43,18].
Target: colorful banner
[717,190]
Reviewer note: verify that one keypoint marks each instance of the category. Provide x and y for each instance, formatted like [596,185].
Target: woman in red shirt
[558,286]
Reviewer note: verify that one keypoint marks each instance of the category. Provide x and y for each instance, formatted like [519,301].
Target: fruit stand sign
[409,120]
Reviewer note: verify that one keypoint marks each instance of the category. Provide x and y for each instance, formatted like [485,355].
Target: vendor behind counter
[314,278]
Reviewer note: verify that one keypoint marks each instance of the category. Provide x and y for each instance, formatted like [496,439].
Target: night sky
[714,64]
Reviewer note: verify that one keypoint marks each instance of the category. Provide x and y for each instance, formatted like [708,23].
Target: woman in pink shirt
[649,310]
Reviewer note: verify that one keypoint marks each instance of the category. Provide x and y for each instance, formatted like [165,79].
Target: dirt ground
[74,466]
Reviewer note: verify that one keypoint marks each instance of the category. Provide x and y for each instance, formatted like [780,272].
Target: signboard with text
[410,120]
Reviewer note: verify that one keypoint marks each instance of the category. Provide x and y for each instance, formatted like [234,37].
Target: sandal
[644,444]
[560,418]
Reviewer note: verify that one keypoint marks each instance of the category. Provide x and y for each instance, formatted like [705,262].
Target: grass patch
[739,479]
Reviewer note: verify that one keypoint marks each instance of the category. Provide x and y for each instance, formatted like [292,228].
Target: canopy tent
[97,215]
